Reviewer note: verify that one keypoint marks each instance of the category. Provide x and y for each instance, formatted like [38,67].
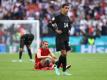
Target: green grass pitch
[84,67]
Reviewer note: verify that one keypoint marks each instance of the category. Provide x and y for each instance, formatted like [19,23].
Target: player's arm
[70,23]
[52,55]
[53,25]
[39,55]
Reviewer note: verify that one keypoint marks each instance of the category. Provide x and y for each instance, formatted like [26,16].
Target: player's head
[44,44]
[64,8]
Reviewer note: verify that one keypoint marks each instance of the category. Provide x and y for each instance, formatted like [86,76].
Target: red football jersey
[44,52]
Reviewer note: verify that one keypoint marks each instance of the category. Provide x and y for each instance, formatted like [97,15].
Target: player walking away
[25,40]
[61,25]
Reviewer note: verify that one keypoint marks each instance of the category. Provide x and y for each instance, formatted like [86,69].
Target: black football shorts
[26,39]
[62,45]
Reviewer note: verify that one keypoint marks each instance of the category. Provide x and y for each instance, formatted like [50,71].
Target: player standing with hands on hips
[61,25]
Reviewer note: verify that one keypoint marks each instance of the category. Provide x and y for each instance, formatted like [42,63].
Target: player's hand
[54,57]
[58,31]
[49,57]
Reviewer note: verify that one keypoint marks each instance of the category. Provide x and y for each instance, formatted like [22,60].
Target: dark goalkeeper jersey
[63,23]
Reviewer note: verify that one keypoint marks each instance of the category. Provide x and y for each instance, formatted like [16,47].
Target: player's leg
[37,64]
[29,51]
[67,48]
[59,45]
[46,62]
[64,63]
[67,66]
[62,59]
[21,48]
[29,40]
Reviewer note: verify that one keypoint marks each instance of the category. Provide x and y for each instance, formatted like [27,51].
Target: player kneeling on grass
[44,59]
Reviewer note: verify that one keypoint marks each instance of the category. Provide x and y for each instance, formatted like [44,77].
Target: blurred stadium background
[90,17]
[88,35]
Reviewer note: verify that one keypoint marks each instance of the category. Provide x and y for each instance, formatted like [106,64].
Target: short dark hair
[42,42]
[65,4]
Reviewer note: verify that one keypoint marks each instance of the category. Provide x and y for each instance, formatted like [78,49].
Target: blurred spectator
[85,14]
[91,40]
[1,33]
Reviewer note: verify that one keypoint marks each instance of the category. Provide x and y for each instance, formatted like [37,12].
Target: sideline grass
[84,67]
